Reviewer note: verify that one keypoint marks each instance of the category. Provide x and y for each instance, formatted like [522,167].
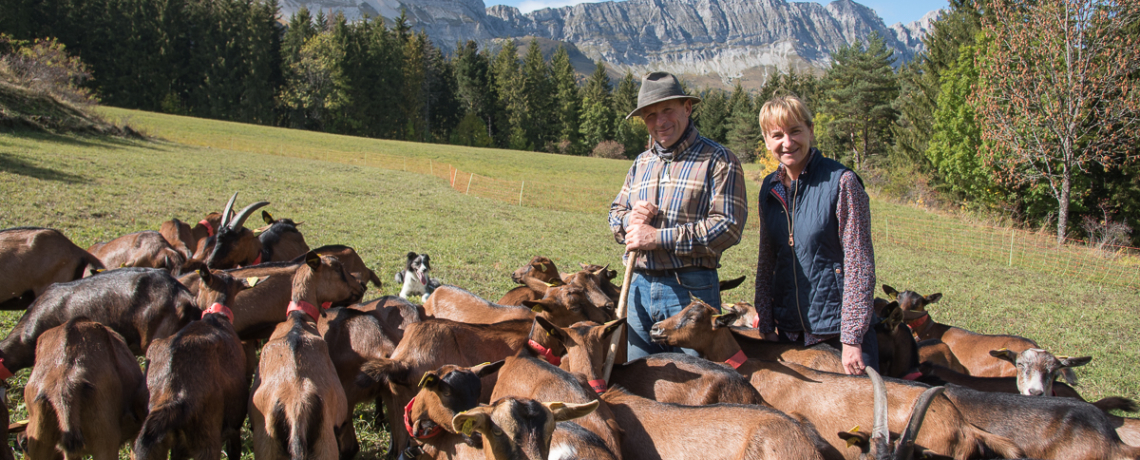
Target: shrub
[609,149]
[44,66]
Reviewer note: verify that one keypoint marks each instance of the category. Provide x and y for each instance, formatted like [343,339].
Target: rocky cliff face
[706,40]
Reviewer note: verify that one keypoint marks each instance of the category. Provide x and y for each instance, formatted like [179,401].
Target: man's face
[667,120]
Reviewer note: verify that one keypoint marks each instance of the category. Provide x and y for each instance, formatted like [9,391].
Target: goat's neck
[722,347]
[536,284]
[930,329]
[304,286]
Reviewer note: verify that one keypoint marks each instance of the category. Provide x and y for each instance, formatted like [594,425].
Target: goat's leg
[349,446]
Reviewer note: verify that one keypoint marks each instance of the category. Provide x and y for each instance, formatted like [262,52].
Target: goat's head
[748,317]
[444,393]
[563,305]
[911,301]
[694,326]
[234,244]
[1037,369]
[324,279]
[877,445]
[604,272]
[591,282]
[516,428]
[540,268]
[587,344]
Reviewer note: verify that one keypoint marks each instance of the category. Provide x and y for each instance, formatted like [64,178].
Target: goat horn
[226,210]
[239,220]
[879,433]
[905,448]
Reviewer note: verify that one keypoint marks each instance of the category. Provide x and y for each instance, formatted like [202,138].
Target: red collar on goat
[756,322]
[304,307]
[599,386]
[546,353]
[209,228]
[219,308]
[408,423]
[4,372]
[918,322]
[737,360]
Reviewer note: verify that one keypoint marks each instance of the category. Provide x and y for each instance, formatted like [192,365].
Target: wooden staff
[623,300]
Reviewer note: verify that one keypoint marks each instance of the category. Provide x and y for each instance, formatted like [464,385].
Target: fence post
[469,179]
[452,173]
[431,169]
[521,187]
[1011,234]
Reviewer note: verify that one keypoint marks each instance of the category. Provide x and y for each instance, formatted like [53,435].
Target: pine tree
[511,104]
[568,104]
[625,95]
[861,86]
[744,125]
[474,85]
[712,115]
[953,148]
[537,87]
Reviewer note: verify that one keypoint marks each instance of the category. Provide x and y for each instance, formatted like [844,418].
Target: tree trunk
[1063,205]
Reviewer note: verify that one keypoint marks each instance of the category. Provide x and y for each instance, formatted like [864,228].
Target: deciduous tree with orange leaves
[1058,91]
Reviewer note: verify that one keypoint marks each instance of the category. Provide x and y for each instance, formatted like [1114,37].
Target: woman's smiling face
[790,144]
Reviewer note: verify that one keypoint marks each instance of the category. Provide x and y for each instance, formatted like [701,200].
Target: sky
[891,11]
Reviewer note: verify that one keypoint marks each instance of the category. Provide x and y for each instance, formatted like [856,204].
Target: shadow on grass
[86,140]
[14,165]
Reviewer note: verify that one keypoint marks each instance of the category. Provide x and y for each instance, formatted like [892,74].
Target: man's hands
[853,359]
[640,235]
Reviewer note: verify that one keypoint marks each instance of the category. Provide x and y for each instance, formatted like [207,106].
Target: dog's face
[419,265]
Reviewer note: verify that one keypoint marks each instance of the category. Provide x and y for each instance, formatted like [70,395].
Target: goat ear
[726,319]
[382,370]
[894,313]
[1074,362]
[891,292]
[566,411]
[204,274]
[535,305]
[313,260]
[1005,354]
[549,327]
[612,326]
[878,305]
[856,438]
[267,217]
[933,298]
[430,380]
[486,369]
[468,422]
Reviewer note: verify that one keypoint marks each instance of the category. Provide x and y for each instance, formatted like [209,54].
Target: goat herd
[237,323]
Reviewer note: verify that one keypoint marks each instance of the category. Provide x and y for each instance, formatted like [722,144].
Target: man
[682,205]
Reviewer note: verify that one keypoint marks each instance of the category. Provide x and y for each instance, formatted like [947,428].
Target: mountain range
[708,42]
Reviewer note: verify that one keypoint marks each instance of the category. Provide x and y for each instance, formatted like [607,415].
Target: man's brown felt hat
[657,87]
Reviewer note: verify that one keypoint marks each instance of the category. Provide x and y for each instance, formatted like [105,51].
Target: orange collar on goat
[408,423]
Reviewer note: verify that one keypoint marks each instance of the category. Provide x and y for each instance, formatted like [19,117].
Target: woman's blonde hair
[783,111]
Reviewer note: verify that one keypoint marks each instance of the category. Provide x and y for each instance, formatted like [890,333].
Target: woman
[816,269]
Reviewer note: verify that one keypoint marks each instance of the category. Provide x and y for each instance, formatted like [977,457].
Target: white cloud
[527,6]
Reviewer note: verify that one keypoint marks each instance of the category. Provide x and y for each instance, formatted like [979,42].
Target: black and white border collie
[415,277]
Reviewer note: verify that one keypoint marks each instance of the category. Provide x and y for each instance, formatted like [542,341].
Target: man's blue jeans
[654,298]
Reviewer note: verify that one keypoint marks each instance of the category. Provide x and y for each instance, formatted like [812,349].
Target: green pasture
[95,188]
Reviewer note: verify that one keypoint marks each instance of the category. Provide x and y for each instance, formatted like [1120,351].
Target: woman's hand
[853,359]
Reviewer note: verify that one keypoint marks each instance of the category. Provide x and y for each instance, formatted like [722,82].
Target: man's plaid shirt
[701,201]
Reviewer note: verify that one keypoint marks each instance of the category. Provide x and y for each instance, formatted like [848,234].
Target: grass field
[94,189]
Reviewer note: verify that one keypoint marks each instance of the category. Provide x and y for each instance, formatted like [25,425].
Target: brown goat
[297,406]
[198,385]
[935,351]
[443,394]
[141,304]
[518,429]
[530,375]
[971,349]
[662,431]
[146,249]
[877,445]
[831,402]
[234,245]
[898,352]
[682,379]
[563,305]
[258,311]
[430,344]
[355,337]
[186,239]
[1047,428]
[535,277]
[822,357]
[86,396]
[35,258]
[280,240]
[351,261]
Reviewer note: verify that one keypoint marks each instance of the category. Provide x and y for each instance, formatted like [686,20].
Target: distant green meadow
[95,189]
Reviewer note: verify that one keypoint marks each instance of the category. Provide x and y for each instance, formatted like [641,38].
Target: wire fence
[1106,265]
